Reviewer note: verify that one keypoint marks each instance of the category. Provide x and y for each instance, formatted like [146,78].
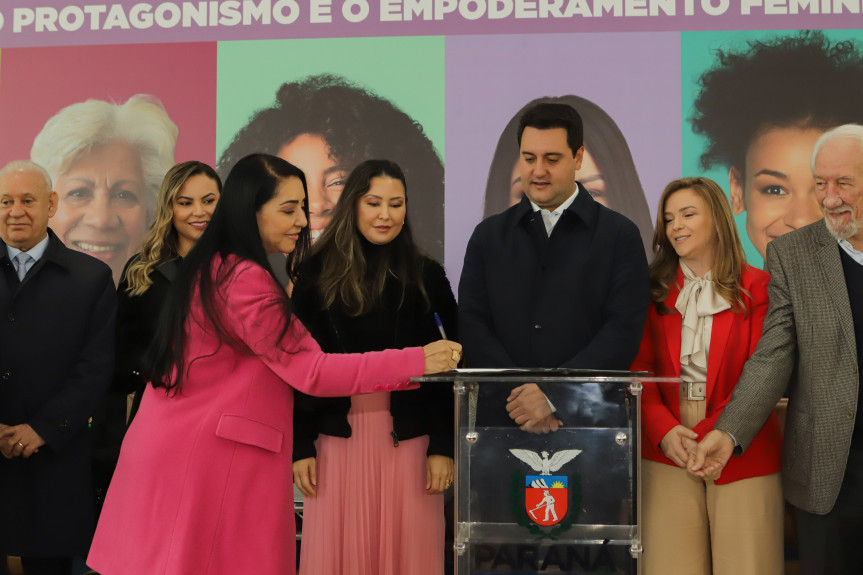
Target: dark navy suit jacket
[56,362]
[576,299]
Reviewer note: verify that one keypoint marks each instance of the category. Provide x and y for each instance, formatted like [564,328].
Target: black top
[425,411]
[137,322]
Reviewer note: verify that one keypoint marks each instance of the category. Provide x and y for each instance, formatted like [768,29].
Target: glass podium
[559,502]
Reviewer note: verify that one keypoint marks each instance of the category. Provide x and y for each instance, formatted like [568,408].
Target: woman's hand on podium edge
[305,476]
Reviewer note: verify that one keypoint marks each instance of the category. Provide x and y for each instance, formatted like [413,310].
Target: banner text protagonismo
[214,13]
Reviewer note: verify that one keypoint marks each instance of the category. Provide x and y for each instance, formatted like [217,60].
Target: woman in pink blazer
[203,484]
[703,324]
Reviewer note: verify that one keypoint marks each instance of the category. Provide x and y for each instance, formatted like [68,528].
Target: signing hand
[439,473]
[678,443]
[708,459]
[19,441]
[305,476]
[442,355]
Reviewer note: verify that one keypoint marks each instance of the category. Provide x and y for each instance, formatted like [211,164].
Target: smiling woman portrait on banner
[107,161]
[760,106]
[327,105]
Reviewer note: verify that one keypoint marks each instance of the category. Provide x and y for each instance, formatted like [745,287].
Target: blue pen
[439,325]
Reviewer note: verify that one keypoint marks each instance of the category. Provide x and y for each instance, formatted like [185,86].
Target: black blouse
[424,411]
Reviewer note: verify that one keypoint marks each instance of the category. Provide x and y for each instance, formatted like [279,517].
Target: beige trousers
[694,527]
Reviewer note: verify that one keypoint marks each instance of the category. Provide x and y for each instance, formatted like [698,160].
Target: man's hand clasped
[530,410]
[19,441]
[710,456]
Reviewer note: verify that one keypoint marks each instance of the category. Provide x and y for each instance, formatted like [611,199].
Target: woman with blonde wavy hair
[186,201]
[705,321]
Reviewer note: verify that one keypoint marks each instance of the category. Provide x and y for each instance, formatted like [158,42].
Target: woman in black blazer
[187,198]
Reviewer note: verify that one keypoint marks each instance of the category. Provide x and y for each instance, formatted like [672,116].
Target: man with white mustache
[812,345]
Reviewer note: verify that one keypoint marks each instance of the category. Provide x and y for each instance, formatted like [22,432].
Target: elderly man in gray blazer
[812,345]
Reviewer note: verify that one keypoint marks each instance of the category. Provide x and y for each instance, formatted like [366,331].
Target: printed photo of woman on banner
[107,132]
[328,121]
[756,103]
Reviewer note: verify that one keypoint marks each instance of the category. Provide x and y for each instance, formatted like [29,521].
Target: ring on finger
[21,444]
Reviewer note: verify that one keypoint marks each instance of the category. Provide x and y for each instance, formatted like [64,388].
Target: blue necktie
[21,262]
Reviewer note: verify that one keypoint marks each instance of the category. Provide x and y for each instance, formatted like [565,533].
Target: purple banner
[25,23]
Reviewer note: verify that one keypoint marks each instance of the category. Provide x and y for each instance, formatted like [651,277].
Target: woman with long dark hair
[203,484]
[373,467]
[705,321]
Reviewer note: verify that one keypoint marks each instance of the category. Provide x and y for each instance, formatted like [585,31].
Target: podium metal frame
[466,383]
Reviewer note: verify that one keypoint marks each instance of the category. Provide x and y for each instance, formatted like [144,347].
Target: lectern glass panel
[557,502]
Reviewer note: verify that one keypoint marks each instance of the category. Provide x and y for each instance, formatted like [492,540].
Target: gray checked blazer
[807,346]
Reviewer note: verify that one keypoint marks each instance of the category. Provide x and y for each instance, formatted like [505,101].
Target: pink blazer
[204,481]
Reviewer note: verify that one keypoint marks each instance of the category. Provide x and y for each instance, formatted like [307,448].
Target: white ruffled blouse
[697,303]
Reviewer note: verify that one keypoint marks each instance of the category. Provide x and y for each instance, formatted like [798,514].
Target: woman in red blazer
[704,323]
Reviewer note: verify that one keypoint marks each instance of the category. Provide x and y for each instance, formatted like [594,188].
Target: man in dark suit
[812,345]
[557,280]
[57,310]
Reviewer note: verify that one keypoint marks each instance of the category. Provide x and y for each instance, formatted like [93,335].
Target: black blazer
[575,299]
[425,411]
[137,322]
[56,362]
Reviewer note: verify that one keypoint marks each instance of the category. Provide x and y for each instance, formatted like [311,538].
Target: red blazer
[732,341]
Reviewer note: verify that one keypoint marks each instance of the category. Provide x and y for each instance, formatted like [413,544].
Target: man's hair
[27,166]
[547,116]
[848,131]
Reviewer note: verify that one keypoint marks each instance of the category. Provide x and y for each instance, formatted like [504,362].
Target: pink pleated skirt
[371,515]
